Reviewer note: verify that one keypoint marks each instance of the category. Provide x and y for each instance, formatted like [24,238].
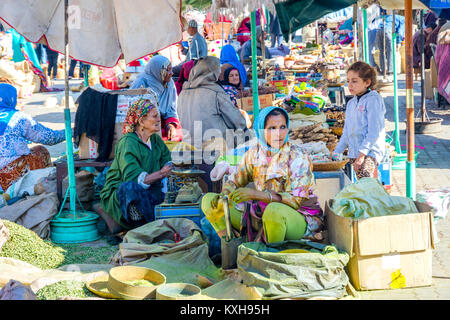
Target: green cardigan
[132,157]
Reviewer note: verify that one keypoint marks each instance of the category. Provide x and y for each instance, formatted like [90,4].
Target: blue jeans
[145,200]
[379,43]
[371,36]
[277,39]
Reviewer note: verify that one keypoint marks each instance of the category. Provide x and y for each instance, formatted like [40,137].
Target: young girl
[364,132]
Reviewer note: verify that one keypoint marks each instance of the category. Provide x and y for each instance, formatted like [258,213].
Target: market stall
[183,255]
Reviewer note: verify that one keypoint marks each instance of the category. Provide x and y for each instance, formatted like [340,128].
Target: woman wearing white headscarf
[157,76]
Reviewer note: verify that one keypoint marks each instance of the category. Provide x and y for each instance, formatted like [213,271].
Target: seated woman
[184,75]
[228,59]
[17,129]
[157,76]
[282,193]
[232,84]
[204,104]
[134,181]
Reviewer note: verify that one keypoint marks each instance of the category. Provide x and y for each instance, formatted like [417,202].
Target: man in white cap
[197,46]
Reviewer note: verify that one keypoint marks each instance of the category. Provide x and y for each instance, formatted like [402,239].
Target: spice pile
[65,288]
[314,133]
[25,245]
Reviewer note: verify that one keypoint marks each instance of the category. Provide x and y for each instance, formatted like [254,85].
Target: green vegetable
[65,288]
[25,245]
[140,283]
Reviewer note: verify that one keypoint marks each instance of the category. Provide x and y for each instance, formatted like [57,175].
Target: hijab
[258,125]
[205,74]
[226,78]
[135,112]
[8,102]
[153,77]
[229,55]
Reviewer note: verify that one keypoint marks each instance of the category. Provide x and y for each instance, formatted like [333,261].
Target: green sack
[367,198]
[278,275]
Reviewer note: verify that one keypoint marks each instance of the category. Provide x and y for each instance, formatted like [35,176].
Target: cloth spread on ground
[96,116]
[367,198]
[154,246]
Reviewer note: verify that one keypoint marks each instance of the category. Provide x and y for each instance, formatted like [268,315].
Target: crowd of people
[203,98]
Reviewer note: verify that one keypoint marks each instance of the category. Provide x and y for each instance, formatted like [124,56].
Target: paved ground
[433,171]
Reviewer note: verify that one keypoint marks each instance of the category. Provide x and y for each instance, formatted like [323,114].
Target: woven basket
[329,166]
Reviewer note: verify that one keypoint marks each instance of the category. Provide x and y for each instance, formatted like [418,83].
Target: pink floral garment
[288,173]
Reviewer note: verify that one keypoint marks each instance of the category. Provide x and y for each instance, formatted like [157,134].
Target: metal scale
[183,183]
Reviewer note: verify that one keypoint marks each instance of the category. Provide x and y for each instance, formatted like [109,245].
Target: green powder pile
[82,254]
[25,245]
[65,288]
[140,283]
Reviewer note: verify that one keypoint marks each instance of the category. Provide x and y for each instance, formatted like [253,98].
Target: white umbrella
[99,30]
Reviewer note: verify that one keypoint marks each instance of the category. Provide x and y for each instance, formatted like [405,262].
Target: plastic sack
[14,290]
[220,169]
[438,199]
[33,212]
[278,275]
[28,181]
[367,198]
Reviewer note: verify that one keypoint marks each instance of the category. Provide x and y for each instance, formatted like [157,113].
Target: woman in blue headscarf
[230,59]
[17,129]
[282,196]
[157,76]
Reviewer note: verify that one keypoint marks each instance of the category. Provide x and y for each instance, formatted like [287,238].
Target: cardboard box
[385,252]
[88,148]
[265,100]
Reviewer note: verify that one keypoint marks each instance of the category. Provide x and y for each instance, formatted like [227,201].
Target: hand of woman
[243,194]
[358,162]
[166,171]
[171,131]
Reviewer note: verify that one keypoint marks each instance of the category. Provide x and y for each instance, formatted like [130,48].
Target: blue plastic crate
[189,211]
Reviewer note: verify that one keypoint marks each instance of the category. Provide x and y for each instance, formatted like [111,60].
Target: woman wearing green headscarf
[282,196]
[134,181]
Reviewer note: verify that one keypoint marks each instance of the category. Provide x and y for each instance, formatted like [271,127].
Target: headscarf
[226,78]
[136,111]
[258,125]
[8,102]
[153,77]
[229,55]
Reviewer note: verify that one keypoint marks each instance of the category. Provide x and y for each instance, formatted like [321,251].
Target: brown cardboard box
[88,148]
[265,100]
[385,250]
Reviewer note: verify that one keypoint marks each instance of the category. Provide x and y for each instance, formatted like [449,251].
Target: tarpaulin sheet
[295,14]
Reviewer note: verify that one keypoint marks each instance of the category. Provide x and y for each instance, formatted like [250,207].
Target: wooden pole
[355,31]
[410,163]
[422,68]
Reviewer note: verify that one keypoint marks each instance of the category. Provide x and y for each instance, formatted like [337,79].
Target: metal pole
[68,122]
[422,67]
[410,163]
[365,36]
[254,67]
[398,148]
[317,33]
